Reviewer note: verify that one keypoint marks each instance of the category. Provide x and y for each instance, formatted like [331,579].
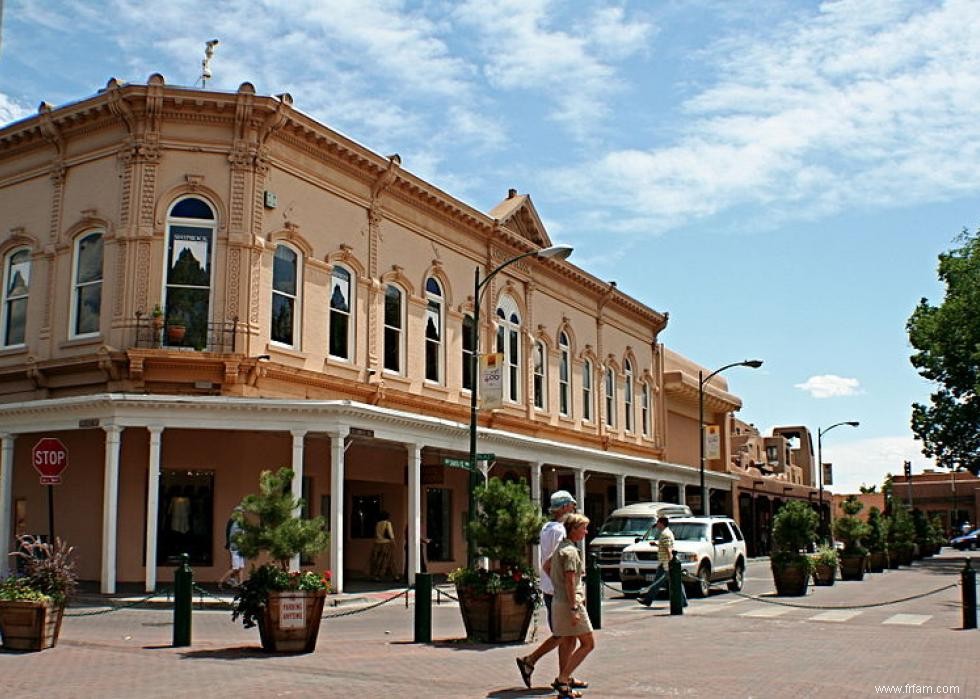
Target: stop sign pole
[50,459]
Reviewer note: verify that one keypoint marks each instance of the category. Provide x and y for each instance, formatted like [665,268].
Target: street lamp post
[558,252]
[820,433]
[702,380]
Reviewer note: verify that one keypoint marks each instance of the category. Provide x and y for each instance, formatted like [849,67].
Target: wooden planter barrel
[791,580]
[494,618]
[30,625]
[291,622]
[852,566]
[877,561]
[824,574]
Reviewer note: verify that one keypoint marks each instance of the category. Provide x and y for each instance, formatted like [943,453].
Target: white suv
[710,549]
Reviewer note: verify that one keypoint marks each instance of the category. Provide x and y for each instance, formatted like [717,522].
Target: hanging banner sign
[491,380]
[712,442]
[828,474]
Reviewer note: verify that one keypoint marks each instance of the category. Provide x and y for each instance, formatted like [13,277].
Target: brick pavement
[641,652]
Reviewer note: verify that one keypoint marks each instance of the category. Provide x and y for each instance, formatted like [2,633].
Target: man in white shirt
[552,534]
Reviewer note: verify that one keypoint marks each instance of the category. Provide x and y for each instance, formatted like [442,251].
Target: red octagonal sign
[50,459]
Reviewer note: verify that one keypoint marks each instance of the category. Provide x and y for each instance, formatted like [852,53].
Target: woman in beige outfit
[571,621]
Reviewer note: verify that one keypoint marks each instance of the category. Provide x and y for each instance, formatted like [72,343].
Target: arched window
[341,331]
[587,401]
[564,375]
[16,286]
[609,380]
[509,344]
[87,285]
[469,352]
[188,274]
[628,394]
[285,298]
[645,409]
[540,376]
[433,330]
[394,334]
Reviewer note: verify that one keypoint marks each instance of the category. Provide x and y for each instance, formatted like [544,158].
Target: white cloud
[866,461]
[830,386]
[11,111]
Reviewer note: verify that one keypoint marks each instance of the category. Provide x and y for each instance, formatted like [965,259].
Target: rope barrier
[118,607]
[848,606]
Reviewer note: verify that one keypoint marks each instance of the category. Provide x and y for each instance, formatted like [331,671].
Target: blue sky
[779,176]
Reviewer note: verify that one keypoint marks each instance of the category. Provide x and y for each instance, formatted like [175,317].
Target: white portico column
[414,543]
[681,494]
[536,499]
[6,499]
[655,490]
[152,508]
[620,491]
[580,499]
[337,506]
[297,466]
[110,507]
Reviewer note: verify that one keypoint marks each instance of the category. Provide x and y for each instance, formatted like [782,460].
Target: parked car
[624,526]
[966,541]
[710,549]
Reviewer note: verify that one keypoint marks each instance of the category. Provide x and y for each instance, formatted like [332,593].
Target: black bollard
[593,591]
[969,584]
[674,585]
[423,607]
[183,583]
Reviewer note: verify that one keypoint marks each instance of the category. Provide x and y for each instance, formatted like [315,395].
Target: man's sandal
[526,669]
[572,682]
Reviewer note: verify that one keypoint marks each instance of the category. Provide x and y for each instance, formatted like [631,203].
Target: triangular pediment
[518,214]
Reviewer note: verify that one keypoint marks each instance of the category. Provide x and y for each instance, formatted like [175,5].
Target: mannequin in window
[382,564]
[179,511]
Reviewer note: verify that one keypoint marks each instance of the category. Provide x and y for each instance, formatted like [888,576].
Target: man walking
[665,551]
[552,533]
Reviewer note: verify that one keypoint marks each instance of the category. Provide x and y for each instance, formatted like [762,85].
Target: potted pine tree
[286,605]
[794,528]
[825,562]
[497,603]
[877,540]
[902,540]
[851,530]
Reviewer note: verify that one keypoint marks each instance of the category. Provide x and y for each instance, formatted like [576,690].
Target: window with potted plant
[286,605]
[497,603]
[850,529]
[794,528]
[32,604]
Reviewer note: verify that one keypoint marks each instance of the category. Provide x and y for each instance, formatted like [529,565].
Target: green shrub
[878,525]
[850,529]
[794,528]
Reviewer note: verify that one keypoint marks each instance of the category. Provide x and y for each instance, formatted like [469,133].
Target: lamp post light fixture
[702,380]
[556,252]
[820,433]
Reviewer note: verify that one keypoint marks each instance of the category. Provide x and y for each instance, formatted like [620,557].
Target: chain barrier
[118,607]
[201,591]
[847,606]
[403,593]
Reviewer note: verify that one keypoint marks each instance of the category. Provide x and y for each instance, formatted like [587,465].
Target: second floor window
[16,285]
[433,330]
[564,375]
[610,384]
[540,376]
[587,390]
[628,395]
[341,325]
[87,283]
[645,409]
[190,247]
[509,344]
[469,352]
[394,335]
[285,310]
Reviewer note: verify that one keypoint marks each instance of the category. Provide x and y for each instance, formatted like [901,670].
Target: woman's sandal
[572,682]
[565,691]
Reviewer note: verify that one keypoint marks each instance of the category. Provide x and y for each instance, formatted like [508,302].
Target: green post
[423,607]
[969,580]
[674,579]
[183,582]
[593,592]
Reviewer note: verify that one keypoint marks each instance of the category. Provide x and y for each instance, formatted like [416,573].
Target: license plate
[650,577]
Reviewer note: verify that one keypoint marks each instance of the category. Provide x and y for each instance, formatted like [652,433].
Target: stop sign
[50,459]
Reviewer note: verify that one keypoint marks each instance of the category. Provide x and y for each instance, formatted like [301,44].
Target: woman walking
[571,621]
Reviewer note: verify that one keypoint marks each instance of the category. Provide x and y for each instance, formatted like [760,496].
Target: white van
[623,527]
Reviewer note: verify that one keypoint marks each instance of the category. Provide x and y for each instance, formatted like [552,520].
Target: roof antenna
[206,62]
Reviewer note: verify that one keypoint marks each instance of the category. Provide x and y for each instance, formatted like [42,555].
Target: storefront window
[186,518]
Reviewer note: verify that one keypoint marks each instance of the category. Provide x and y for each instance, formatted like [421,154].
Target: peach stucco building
[316,306]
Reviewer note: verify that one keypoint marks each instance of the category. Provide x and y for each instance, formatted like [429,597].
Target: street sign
[50,459]
[486,457]
[457,463]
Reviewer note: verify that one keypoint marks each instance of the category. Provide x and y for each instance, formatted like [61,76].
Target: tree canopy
[946,339]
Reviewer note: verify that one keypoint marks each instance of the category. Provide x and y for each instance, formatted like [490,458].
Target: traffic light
[908,469]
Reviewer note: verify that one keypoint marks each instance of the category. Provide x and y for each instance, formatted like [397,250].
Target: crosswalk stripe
[908,619]
[766,612]
[836,615]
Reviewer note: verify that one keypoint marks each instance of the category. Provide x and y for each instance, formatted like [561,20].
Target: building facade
[200,285]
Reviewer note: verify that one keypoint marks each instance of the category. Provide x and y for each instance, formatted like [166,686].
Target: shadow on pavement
[236,653]
[518,692]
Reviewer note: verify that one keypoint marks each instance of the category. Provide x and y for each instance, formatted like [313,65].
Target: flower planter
[877,561]
[291,621]
[852,566]
[494,617]
[791,579]
[30,625]
[824,575]
[175,334]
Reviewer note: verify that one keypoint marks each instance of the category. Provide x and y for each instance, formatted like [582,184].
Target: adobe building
[952,495]
[200,285]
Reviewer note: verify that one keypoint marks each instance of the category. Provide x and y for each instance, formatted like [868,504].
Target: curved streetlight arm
[753,363]
[823,431]
[820,433]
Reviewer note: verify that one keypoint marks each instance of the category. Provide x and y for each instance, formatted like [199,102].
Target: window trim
[5,299]
[209,223]
[351,315]
[402,309]
[73,313]
[645,412]
[468,354]
[629,399]
[564,385]
[609,395]
[588,391]
[540,398]
[507,309]
[297,325]
[440,301]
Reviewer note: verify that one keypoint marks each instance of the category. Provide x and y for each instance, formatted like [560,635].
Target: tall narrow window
[341,302]
[628,394]
[87,305]
[16,286]
[540,376]
[610,383]
[433,330]
[190,245]
[469,350]
[564,377]
[285,309]
[394,335]
[587,390]
[645,409]
[509,343]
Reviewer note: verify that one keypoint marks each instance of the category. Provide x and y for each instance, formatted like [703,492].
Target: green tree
[849,528]
[877,531]
[506,522]
[946,339]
